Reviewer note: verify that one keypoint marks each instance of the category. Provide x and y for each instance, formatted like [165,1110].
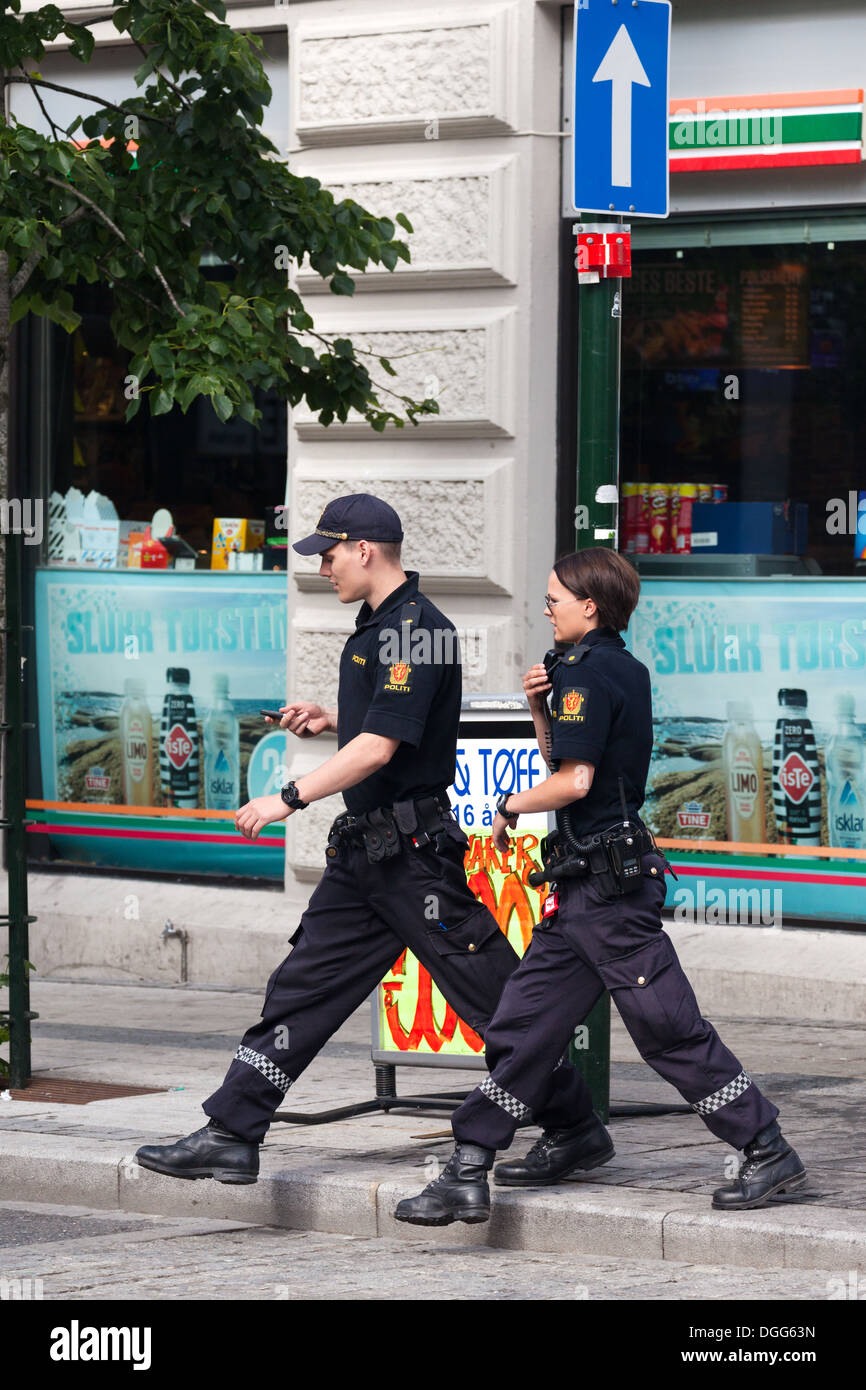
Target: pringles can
[720,492]
[683,539]
[660,518]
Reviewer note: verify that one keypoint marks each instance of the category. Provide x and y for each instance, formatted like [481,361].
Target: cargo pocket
[654,998]
[465,937]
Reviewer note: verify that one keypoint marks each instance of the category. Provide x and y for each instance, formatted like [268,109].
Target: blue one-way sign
[621,97]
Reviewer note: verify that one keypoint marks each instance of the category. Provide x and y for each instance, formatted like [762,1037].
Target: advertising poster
[411,1020]
[759,703]
[149,727]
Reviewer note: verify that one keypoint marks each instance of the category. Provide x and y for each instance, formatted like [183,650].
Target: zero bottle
[796,774]
[178,742]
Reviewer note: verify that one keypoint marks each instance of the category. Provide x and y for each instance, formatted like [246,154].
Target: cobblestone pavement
[80,1254]
[182,1038]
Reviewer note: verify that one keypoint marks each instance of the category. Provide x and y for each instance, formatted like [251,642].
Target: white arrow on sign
[621,67]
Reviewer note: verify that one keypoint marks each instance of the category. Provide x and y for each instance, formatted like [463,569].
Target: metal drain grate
[63,1090]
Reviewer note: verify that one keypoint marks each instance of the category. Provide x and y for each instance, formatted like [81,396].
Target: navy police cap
[358,517]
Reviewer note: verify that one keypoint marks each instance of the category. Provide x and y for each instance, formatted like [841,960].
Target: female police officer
[601,929]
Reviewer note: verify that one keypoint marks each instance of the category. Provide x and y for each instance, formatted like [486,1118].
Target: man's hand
[499,833]
[253,817]
[536,686]
[304,719]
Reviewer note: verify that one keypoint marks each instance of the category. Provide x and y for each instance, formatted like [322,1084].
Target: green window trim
[799,230]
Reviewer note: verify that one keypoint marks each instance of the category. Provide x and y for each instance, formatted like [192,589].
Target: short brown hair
[605,577]
[390,550]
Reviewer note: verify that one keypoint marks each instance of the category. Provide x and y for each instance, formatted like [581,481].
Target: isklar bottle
[222,763]
[845,760]
[796,773]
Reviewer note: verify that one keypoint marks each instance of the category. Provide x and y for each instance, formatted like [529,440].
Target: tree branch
[35,90]
[85,96]
[76,193]
[178,93]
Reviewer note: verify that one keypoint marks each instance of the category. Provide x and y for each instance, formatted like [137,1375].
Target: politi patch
[572,705]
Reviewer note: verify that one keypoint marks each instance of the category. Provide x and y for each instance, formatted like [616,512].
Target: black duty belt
[385,830]
[569,857]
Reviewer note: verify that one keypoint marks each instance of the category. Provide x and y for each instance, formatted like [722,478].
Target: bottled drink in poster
[846,779]
[796,773]
[222,764]
[178,742]
[136,742]
[743,762]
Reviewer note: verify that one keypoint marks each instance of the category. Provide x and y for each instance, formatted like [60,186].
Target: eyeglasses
[552,603]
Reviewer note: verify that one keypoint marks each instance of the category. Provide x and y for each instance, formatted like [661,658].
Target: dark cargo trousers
[598,940]
[359,919]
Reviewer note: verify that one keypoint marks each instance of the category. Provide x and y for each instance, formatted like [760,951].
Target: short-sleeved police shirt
[601,713]
[400,677]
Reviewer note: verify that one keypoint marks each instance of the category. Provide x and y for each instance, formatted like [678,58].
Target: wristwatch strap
[289,793]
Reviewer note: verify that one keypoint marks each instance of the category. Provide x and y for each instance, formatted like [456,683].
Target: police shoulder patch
[572,704]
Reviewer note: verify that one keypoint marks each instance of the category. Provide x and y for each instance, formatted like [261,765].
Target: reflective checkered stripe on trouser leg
[269,1070]
[505,1099]
[727,1093]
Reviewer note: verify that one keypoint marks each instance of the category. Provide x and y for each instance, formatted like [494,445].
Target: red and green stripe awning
[766,131]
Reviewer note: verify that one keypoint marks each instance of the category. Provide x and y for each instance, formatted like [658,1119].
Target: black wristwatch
[502,807]
[290,795]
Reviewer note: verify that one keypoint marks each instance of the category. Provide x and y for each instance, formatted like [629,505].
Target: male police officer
[601,929]
[394,875]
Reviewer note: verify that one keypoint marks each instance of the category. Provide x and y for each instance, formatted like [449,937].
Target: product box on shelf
[749,528]
[234,533]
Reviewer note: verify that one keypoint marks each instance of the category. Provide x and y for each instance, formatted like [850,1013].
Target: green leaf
[342,284]
[162,359]
[239,322]
[222,405]
[387,365]
[161,402]
[404,221]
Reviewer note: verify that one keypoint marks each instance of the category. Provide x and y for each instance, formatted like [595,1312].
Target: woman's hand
[255,815]
[536,686]
[499,833]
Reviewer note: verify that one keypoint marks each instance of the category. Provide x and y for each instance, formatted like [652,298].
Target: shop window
[193,465]
[744,376]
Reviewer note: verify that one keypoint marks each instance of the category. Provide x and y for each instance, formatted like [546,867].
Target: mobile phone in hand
[271,713]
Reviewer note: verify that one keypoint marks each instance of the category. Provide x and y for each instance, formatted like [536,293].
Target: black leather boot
[460,1193]
[212,1152]
[770,1166]
[556,1153]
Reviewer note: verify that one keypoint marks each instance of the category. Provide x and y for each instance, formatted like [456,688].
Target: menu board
[774,315]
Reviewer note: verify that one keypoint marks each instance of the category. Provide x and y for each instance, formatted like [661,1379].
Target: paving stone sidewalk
[651,1201]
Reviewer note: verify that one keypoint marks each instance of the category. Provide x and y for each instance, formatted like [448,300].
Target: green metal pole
[596,523]
[14,822]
